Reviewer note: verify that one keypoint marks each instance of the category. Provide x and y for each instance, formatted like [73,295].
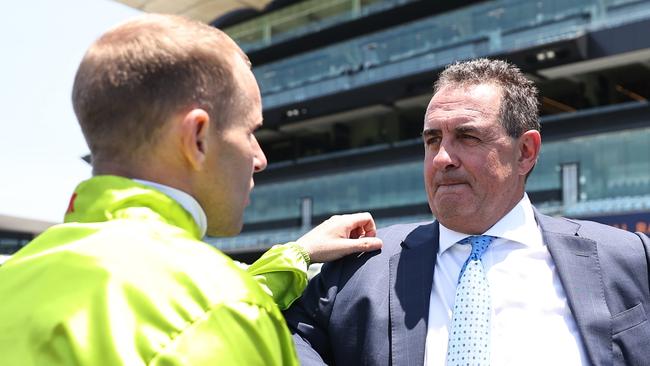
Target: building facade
[345,84]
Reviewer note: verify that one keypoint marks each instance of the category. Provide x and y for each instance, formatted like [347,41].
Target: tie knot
[479,243]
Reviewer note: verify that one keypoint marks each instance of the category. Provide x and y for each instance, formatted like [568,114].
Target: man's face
[234,155]
[471,171]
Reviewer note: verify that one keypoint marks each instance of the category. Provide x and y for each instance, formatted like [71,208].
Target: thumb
[339,248]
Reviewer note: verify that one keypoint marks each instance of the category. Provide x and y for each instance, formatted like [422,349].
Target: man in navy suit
[561,292]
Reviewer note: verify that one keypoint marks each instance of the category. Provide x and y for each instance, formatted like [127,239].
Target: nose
[444,159]
[259,159]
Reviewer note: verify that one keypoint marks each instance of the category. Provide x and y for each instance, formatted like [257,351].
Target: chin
[452,206]
[453,213]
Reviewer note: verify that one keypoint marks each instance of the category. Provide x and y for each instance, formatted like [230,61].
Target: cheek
[498,169]
[428,163]
[426,167]
[428,172]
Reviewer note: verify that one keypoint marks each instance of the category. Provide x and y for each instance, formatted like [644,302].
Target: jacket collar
[106,197]
[410,279]
[576,259]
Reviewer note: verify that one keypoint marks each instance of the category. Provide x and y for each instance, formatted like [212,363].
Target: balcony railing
[480,30]
[303,18]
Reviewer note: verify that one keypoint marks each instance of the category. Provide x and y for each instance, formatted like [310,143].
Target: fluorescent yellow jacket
[127,281]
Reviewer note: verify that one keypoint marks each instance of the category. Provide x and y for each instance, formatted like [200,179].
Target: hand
[339,236]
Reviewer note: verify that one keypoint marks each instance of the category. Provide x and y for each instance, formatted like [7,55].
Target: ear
[529,144]
[195,129]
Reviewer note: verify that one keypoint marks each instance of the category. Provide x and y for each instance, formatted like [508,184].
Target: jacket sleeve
[308,318]
[282,273]
[232,334]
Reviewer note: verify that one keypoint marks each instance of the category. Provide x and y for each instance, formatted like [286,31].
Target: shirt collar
[517,225]
[188,202]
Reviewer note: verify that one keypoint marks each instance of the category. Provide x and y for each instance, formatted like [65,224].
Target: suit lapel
[579,269]
[411,278]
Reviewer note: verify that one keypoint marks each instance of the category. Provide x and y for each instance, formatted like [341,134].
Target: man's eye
[432,140]
[470,138]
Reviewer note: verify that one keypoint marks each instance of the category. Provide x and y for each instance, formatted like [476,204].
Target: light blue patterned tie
[469,335]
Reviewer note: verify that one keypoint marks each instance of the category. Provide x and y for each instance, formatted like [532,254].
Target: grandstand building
[16,232]
[345,84]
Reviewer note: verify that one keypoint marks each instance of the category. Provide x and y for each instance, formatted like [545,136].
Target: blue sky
[40,142]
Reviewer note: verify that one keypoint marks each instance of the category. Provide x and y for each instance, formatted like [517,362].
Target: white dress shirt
[188,202]
[531,320]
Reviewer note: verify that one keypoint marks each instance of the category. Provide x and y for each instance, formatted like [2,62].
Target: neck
[153,171]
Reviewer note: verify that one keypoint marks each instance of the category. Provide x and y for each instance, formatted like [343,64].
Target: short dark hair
[519,110]
[138,75]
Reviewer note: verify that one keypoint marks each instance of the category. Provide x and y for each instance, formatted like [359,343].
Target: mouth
[450,187]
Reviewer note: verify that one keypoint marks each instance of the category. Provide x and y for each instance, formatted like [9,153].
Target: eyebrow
[430,132]
[466,129]
[459,129]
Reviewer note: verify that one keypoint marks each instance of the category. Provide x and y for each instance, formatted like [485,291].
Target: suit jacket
[373,309]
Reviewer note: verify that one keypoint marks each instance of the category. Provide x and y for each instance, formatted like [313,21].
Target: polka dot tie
[469,335]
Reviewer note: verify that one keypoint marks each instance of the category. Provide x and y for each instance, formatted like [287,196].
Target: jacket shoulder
[592,230]
[394,235]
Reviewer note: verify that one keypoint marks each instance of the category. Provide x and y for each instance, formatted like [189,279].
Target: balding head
[140,74]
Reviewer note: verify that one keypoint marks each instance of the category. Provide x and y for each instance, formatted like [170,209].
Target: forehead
[455,104]
[244,75]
